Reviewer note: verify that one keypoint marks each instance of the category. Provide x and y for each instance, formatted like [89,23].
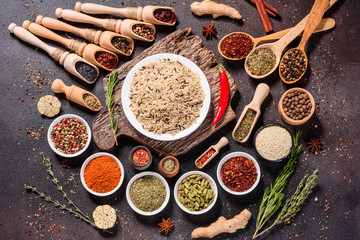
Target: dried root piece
[215,9]
[49,105]
[223,226]
[104,216]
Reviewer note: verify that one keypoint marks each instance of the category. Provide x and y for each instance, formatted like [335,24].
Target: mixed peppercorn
[293,65]
[144,31]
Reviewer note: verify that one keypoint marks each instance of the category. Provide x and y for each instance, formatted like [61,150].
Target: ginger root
[223,226]
[215,9]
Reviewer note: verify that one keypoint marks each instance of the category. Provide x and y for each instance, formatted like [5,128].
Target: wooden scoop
[145,14]
[68,60]
[222,142]
[118,26]
[88,51]
[313,20]
[279,46]
[261,92]
[76,94]
[325,24]
[94,36]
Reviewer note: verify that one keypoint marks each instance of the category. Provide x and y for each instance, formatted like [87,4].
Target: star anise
[165,226]
[209,30]
[314,145]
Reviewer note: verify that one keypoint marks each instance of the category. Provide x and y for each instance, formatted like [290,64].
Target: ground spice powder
[102,174]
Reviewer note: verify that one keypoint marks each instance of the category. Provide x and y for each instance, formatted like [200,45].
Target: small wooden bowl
[164,172]
[292,121]
[137,166]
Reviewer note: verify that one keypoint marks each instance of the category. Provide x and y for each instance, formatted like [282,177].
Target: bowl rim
[238,154]
[292,121]
[213,186]
[86,162]
[132,205]
[57,120]
[269,125]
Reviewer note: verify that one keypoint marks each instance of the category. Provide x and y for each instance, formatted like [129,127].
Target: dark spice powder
[122,44]
[237,45]
[245,125]
[87,71]
[108,60]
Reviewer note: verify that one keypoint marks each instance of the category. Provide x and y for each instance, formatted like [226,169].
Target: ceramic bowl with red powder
[102,174]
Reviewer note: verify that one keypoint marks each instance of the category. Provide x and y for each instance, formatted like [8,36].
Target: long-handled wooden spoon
[278,47]
[325,24]
[313,20]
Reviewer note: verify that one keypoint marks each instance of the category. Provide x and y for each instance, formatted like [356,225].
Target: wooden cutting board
[180,42]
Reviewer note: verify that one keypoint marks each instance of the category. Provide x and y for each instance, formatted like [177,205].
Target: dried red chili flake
[237,45]
[108,60]
[238,174]
[141,157]
[205,157]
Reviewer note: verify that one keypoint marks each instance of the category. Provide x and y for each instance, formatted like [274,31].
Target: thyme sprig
[110,103]
[293,204]
[273,196]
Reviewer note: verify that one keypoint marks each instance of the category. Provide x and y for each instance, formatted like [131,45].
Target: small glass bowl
[137,166]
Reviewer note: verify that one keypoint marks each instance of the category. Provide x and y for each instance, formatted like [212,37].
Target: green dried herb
[245,125]
[261,61]
[110,103]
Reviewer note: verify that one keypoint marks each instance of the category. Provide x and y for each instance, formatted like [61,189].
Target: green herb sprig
[273,196]
[293,204]
[110,103]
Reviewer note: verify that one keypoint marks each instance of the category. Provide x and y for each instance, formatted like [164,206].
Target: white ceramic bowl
[213,187]
[56,121]
[238,154]
[95,155]
[167,189]
[125,100]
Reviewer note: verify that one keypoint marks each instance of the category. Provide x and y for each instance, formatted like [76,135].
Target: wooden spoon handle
[58,86]
[58,25]
[74,16]
[93,8]
[261,92]
[222,142]
[313,20]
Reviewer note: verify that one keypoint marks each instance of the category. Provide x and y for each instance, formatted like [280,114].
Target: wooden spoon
[279,46]
[222,142]
[325,24]
[145,14]
[261,92]
[313,20]
[94,36]
[75,94]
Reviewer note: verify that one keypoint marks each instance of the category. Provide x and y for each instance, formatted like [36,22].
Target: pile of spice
[140,157]
[204,158]
[102,174]
[122,44]
[69,135]
[273,142]
[165,15]
[91,101]
[87,71]
[237,45]
[293,65]
[238,174]
[195,193]
[148,193]
[169,165]
[245,125]
[144,31]
[107,60]
[297,105]
[261,61]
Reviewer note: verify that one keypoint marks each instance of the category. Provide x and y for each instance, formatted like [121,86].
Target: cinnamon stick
[263,15]
[269,9]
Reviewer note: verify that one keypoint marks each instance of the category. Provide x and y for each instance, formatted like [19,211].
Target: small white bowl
[167,189]
[95,155]
[238,154]
[56,121]
[213,187]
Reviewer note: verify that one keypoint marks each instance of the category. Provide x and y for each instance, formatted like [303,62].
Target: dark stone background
[331,212]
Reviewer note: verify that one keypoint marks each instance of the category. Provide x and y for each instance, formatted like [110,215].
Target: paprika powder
[102,174]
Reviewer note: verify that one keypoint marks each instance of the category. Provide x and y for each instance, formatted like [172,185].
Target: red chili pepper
[224,95]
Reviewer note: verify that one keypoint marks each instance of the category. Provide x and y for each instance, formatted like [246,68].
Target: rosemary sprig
[48,165]
[273,196]
[110,103]
[293,204]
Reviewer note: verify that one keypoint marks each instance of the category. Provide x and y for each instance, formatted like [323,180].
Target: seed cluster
[293,65]
[144,31]
[297,105]
[69,135]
